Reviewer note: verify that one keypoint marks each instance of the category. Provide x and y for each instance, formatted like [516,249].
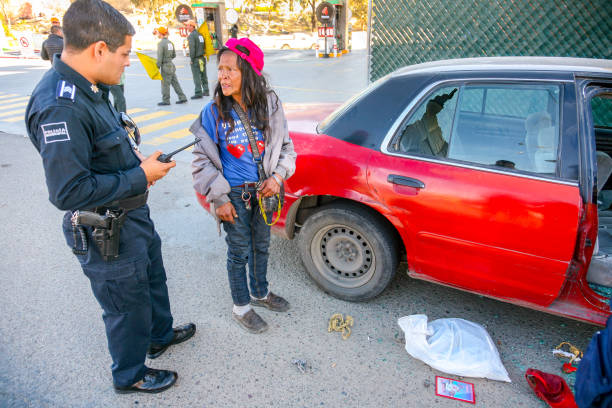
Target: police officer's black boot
[152,382]
[181,334]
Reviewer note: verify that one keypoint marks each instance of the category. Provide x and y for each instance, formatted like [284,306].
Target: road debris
[341,324]
[574,354]
[300,364]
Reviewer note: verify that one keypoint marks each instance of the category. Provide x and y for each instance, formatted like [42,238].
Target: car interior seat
[540,143]
[604,169]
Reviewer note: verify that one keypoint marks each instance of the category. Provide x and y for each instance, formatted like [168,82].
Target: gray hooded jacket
[206,167]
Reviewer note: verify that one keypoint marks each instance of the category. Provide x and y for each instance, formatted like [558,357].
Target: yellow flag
[208,46]
[150,65]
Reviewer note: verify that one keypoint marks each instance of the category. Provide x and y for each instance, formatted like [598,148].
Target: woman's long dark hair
[253,88]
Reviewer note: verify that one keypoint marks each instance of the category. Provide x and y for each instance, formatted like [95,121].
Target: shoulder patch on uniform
[66,90]
[55,132]
[170,47]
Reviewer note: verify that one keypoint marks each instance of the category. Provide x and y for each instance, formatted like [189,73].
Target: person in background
[234,31]
[198,62]
[224,170]
[118,92]
[165,55]
[54,44]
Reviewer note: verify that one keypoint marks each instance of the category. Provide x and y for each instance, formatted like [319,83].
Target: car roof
[489,64]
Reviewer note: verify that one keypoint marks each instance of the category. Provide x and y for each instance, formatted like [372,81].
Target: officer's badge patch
[55,132]
[66,90]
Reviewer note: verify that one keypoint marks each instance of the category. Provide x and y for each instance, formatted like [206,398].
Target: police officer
[165,55]
[91,169]
[198,63]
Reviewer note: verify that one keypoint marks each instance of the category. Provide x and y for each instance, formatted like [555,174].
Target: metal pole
[369,40]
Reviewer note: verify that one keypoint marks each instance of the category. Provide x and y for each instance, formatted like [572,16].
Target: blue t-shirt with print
[235,150]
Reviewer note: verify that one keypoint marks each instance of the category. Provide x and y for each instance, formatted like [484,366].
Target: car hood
[304,117]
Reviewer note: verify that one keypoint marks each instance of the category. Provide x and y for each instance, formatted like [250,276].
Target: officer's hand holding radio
[154,169]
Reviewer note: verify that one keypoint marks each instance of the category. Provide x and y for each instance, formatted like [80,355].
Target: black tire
[364,257]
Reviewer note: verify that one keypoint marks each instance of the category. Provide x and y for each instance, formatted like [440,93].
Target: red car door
[469,179]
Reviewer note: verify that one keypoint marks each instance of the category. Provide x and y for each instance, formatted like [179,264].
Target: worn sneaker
[251,322]
[272,302]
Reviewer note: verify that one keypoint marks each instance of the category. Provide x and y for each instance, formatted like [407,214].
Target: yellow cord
[572,349]
[263,213]
[339,324]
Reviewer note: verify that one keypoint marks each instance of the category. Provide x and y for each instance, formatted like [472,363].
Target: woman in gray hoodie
[226,172]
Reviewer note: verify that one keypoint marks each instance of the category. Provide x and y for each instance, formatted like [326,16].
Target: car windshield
[328,121]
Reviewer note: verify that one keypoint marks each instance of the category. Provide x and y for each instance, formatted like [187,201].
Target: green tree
[359,8]
[313,9]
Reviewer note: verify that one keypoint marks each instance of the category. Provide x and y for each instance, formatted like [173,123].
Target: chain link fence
[405,32]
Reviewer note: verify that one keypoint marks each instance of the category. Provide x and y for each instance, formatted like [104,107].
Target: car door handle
[405,181]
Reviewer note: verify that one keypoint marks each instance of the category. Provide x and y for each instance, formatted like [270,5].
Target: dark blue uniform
[88,162]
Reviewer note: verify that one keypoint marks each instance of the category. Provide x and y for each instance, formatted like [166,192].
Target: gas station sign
[326,32]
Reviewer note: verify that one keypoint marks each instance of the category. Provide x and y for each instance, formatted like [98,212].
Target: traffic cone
[335,50]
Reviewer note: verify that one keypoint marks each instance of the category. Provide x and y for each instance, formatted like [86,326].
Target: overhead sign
[325,13]
[183,13]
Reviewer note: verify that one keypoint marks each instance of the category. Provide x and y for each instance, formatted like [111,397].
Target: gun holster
[106,230]
[107,239]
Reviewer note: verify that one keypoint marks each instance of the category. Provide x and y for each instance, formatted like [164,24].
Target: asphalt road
[53,348]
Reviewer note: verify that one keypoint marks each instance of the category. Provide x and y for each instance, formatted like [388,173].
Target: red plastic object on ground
[568,368]
[550,388]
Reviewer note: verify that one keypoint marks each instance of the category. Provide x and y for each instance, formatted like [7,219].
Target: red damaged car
[490,175]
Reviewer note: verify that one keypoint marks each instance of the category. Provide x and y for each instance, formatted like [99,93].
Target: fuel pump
[213,14]
[333,31]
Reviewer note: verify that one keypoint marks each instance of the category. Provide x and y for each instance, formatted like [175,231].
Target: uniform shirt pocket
[112,152]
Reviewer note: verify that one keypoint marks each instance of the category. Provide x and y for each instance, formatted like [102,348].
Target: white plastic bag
[455,346]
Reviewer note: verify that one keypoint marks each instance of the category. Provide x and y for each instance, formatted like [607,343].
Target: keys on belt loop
[246,196]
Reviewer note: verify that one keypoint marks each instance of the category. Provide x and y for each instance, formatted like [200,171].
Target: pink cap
[255,57]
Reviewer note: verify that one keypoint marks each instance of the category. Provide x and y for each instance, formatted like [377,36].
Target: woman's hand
[226,212]
[270,186]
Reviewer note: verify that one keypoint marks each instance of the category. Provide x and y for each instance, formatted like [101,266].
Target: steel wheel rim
[343,255]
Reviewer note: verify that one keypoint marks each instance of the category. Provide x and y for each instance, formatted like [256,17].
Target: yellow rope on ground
[340,324]
[572,349]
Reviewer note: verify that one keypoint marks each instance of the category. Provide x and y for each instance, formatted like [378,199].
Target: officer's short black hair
[55,29]
[90,21]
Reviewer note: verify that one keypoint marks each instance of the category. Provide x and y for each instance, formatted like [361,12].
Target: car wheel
[348,252]
[285,47]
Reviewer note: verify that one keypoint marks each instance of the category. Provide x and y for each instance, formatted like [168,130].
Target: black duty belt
[125,204]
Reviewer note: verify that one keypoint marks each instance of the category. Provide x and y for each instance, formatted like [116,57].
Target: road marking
[135,110]
[14,105]
[160,125]
[23,98]
[11,72]
[14,119]
[13,112]
[178,134]
[8,96]
[150,116]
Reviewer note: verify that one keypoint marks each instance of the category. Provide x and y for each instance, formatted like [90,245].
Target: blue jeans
[248,241]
